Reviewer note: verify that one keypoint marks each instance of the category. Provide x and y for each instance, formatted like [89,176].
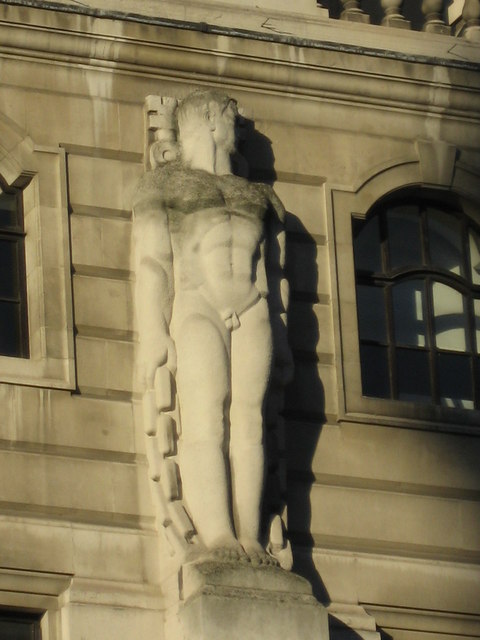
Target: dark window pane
[403,224]
[445,242]
[413,376]
[409,313]
[17,630]
[9,269]
[371,313]
[8,210]
[367,247]
[455,380]
[375,377]
[10,329]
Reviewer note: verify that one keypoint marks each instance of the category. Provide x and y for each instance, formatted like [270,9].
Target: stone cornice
[161,51]
[312,28]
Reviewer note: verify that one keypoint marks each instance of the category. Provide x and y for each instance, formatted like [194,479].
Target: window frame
[434,166]
[427,273]
[48,269]
[18,234]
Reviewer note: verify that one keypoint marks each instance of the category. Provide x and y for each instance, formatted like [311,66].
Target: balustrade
[445,17]
[352,11]
[393,14]
[471,17]
[434,23]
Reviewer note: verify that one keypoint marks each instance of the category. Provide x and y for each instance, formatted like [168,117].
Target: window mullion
[387,297]
[430,322]
[470,312]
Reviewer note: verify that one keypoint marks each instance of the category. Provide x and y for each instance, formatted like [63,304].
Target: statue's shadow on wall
[304,410]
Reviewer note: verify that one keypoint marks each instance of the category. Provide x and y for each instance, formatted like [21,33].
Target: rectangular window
[13,296]
[19,625]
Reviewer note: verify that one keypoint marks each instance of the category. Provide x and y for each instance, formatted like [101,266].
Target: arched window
[13,298]
[417,266]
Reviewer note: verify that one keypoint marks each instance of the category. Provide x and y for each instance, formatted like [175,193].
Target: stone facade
[382,500]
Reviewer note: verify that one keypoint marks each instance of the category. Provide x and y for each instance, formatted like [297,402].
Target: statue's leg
[203,389]
[251,362]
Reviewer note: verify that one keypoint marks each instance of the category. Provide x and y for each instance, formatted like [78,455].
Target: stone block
[113,302]
[101,242]
[86,240]
[115,189]
[308,267]
[305,203]
[310,327]
[240,602]
[119,365]
[313,390]
[91,363]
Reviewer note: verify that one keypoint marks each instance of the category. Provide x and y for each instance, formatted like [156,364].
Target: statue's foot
[257,555]
[227,550]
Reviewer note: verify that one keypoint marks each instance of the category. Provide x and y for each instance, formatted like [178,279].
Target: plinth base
[222,601]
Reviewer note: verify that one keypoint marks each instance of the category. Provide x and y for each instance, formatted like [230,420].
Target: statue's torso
[216,227]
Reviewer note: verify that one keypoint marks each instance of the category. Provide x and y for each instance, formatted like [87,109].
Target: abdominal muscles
[222,257]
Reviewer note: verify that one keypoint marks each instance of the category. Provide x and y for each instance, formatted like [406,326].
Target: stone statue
[211,304]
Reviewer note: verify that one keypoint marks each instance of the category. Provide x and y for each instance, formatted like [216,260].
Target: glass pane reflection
[449,317]
[409,313]
[474,242]
[367,247]
[403,225]
[371,313]
[375,376]
[445,241]
[455,380]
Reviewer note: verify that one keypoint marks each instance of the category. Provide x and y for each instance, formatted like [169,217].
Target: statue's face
[224,132]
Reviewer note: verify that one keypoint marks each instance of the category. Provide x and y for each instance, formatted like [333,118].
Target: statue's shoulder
[159,183]
[160,177]
[273,200]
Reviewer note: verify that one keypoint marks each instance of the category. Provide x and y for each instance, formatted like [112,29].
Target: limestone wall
[384,514]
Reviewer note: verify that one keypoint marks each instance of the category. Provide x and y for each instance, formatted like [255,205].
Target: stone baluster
[393,14]
[471,17]
[434,23]
[353,12]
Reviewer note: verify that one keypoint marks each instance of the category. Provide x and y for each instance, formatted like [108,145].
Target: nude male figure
[211,300]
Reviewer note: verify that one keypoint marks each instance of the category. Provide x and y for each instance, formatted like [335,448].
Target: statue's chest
[187,192]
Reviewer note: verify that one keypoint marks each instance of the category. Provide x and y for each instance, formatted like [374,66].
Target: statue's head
[208,110]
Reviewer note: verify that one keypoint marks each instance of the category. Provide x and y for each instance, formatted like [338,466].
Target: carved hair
[196,106]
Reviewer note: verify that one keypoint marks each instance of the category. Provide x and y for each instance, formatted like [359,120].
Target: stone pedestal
[220,601]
